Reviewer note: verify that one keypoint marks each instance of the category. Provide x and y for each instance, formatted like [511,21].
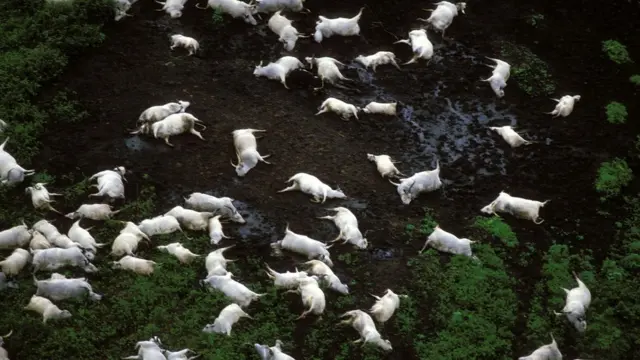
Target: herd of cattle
[50,250]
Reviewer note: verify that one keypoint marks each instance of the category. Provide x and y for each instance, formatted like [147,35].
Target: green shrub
[531,73]
[498,228]
[612,177]
[635,79]
[616,113]
[616,51]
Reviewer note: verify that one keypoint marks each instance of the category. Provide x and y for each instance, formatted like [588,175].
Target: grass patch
[616,52]
[612,177]
[498,228]
[616,113]
[535,20]
[530,72]
[635,79]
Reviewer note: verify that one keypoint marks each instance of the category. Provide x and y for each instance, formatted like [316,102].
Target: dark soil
[135,69]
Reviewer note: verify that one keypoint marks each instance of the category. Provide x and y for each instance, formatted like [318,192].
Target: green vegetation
[616,113]
[217,18]
[498,228]
[535,19]
[612,177]
[616,51]
[635,79]
[530,72]
[36,41]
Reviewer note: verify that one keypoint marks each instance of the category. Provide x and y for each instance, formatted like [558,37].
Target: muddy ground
[444,113]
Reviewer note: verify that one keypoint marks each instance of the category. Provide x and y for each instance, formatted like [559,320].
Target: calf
[565,105]
[232,289]
[160,225]
[425,181]
[381,108]
[576,305]
[363,324]
[318,268]
[286,280]
[127,240]
[247,150]
[183,254]
[41,197]
[311,185]
[326,28]
[47,309]
[303,245]
[312,296]
[377,59]
[215,263]
[215,230]
[510,136]
[499,76]
[109,183]
[172,125]
[134,264]
[385,165]
[328,71]
[223,206]
[442,17]
[421,46]
[227,318]
[518,207]
[281,26]
[279,70]
[189,43]
[347,223]
[191,219]
[339,107]
[385,306]
[447,242]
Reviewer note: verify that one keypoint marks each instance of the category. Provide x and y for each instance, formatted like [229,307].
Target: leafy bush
[635,79]
[616,51]
[616,113]
[612,177]
[528,70]
[498,228]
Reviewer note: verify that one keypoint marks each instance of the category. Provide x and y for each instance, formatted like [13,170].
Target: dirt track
[135,69]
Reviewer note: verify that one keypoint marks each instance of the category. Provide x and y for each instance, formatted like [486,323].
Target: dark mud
[445,111]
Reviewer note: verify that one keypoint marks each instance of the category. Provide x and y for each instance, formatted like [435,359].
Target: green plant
[535,19]
[616,113]
[616,51]
[217,18]
[612,177]
[530,72]
[635,79]
[498,228]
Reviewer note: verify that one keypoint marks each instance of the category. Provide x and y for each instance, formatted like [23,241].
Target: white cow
[442,17]
[565,105]
[516,206]
[363,324]
[576,305]
[223,206]
[227,318]
[386,305]
[425,181]
[347,223]
[10,172]
[545,352]
[109,183]
[499,76]
[421,46]
[311,185]
[41,197]
[447,242]
[326,28]
[247,150]
[304,245]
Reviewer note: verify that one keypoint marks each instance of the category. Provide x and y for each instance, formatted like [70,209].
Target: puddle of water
[137,144]
[382,254]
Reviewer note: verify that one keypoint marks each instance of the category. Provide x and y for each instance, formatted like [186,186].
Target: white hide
[311,185]
[545,352]
[286,280]
[565,105]
[377,59]
[326,28]
[230,315]
[172,7]
[134,264]
[38,241]
[46,308]
[216,263]
[449,243]
[276,352]
[385,306]
[223,206]
[159,112]
[279,70]
[347,223]
[55,258]
[172,125]
[191,219]
[312,296]
[510,136]
[318,268]
[149,350]
[109,183]
[385,165]
[183,254]
[180,354]
[328,71]
[304,245]
[15,262]
[127,240]
[82,237]
[267,6]
[516,206]
[247,150]
[381,108]
[160,225]
[60,288]
[442,17]
[232,289]
[499,76]
[10,172]
[421,46]
[121,7]
[364,325]
[41,197]
[343,109]
[235,8]
[215,230]
[287,34]
[188,43]
[4,354]
[53,236]
[15,237]
[93,211]
[576,305]
[425,181]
